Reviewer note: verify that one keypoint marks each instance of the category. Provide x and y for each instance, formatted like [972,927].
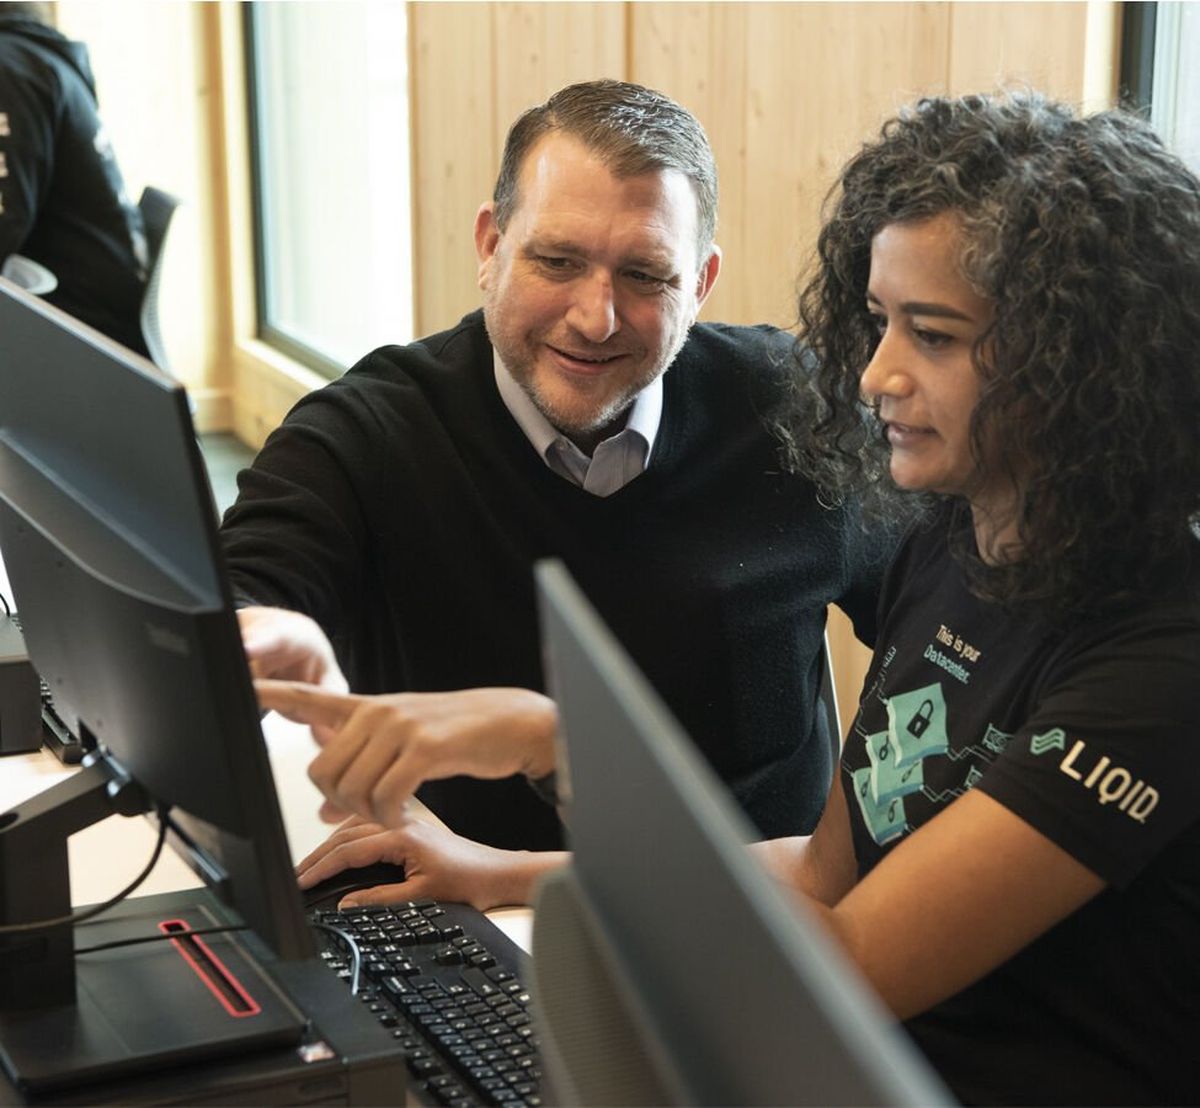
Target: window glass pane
[1175,103]
[332,159]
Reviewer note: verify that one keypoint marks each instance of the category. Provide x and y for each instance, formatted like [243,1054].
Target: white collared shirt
[614,463]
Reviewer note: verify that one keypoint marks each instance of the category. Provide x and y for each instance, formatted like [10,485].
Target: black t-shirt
[1090,736]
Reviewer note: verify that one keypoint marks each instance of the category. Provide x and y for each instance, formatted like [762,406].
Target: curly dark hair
[1084,233]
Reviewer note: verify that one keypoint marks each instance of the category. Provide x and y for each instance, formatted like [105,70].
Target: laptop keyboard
[445,982]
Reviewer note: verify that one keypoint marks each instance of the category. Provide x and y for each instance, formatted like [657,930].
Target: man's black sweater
[403,508]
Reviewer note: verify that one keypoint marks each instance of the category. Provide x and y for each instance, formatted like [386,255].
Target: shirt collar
[645,416]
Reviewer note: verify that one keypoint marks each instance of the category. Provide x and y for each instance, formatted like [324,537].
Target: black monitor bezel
[69,396]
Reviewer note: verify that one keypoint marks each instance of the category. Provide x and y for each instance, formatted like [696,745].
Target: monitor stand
[152,1006]
[73,1014]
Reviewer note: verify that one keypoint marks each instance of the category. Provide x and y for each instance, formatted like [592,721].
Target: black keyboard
[445,982]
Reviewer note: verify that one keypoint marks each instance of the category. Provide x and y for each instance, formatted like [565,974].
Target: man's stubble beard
[520,367]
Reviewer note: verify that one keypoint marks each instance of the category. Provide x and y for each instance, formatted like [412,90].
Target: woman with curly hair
[1003,329]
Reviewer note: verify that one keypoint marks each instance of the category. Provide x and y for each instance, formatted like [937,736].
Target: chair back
[25,273]
[157,208]
[827,697]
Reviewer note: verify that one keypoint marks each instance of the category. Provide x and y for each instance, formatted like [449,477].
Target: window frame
[1139,24]
[265,330]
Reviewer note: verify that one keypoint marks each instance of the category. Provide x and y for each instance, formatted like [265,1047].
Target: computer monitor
[667,969]
[109,537]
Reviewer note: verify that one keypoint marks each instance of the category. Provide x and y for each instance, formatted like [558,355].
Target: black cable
[96,909]
[355,951]
[161,938]
[4,601]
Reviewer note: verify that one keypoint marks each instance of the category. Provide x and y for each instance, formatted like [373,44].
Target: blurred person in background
[62,198]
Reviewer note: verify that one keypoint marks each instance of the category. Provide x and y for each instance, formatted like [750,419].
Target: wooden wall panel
[1042,45]
[540,48]
[454,148]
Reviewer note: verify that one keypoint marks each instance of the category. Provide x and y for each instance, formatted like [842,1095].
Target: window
[1160,71]
[330,137]
[1175,88]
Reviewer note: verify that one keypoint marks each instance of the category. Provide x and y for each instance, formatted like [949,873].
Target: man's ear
[487,237]
[708,276]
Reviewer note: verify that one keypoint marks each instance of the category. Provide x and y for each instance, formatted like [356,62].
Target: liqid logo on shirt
[1110,783]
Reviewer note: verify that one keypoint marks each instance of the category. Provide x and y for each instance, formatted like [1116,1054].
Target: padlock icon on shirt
[919,724]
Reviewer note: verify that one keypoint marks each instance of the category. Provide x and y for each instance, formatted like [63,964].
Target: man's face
[589,291]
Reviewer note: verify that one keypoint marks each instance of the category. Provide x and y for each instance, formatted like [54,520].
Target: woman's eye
[877,323]
[932,339]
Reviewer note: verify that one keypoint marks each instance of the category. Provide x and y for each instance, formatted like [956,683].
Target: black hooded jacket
[62,200]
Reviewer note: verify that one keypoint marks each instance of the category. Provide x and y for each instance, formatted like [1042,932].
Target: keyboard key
[478,981]
[396,987]
[423,1067]
[448,1094]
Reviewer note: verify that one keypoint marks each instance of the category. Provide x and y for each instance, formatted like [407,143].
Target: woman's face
[922,375]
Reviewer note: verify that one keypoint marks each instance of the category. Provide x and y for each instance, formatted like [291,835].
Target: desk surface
[108,855]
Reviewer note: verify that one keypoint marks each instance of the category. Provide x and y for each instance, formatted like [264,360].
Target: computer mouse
[327,893]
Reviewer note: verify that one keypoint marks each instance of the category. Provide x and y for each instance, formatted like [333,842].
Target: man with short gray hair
[583,414]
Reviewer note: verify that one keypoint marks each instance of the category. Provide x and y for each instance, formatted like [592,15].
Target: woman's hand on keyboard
[377,750]
[438,865]
[289,646]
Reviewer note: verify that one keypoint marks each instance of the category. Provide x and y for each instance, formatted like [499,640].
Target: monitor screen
[108,536]
[737,996]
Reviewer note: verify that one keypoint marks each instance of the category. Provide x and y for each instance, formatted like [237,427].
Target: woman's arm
[961,895]
[820,866]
